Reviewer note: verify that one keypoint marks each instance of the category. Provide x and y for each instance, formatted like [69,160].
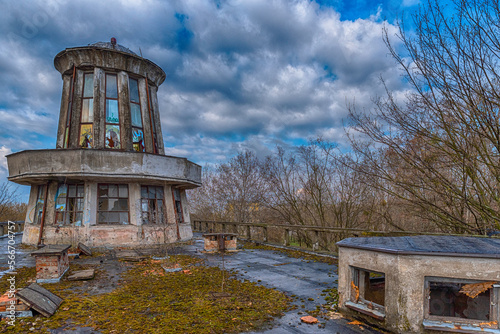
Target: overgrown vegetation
[148,300]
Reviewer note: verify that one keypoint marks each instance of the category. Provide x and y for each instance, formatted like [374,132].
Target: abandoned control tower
[108,182]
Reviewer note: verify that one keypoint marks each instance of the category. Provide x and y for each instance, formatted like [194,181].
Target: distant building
[422,284]
[108,182]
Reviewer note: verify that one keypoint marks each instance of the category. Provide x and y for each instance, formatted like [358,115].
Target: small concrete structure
[422,284]
[220,242]
[108,182]
[52,262]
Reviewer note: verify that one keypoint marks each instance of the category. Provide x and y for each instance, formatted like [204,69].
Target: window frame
[179,211]
[138,103]
[157,216]
[361,304]
[106,123]
[99,211]
[91,112]
[73,214]
[493,303]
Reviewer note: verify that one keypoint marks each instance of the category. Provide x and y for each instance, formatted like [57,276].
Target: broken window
[40,200]
[368,292]
[113,204]
[152,203]
[69,204]
[178,206]
[87,115]
[136,116]
[463,299]
[112,113]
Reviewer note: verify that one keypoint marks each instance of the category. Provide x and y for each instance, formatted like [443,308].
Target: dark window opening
[40,200]
[152,203]
[178,206]
[368,287]
[69,204]
[466,300]
[113,204]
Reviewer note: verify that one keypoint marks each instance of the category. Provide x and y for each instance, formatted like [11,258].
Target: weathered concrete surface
[404,281]
[302,278]
[108,59]
[28,167]
[294,276]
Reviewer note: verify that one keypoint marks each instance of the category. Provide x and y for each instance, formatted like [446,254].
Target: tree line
[428,162]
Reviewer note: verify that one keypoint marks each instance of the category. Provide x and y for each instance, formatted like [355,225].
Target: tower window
[112,114]
[87,115]
[136,116]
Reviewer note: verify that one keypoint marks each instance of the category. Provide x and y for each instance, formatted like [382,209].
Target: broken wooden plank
[130,255]
[82,275]
[84,249]
[40,299]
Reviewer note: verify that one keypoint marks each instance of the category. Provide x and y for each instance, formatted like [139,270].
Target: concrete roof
[428,245]
[118,47]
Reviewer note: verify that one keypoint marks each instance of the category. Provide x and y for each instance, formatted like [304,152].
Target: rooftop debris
[40,299]
[355,288]
[82,275]
[130,255]
[84,249]
[309,320]
[475,289]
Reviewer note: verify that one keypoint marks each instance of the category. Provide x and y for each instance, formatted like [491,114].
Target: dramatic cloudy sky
[241,74]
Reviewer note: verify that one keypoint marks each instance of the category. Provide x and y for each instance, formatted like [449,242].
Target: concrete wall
[405,277]
[28,167]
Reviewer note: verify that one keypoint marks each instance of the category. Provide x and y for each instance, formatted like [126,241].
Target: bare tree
[10,208]
[439,151]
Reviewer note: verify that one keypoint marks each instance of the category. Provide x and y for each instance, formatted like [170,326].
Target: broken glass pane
[112,136]
[446,300]
[103,190]
[111,88]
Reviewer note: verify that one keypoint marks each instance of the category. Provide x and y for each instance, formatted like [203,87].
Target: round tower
[108,182]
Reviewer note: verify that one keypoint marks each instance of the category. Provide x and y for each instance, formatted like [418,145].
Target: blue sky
[249,74]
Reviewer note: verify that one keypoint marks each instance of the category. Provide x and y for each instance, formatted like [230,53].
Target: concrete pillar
[157,125]
[76,111]
[169,205]
[61,128]
[146,123]
[185,207]
[287,237]
[124,111]
[134,203]
[99,108]
[51,205]
[90,203]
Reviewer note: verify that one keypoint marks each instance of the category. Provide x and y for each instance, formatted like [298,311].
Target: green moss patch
[149,300]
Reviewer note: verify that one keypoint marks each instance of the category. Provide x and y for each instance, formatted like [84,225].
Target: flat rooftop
[428,245]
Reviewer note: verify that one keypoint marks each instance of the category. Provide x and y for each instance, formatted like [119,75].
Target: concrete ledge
[457,327]
[38,166]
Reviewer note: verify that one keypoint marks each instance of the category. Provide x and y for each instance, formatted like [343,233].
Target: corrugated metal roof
[428,245]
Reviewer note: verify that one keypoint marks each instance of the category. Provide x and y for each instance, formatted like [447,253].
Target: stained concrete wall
[28,167]
[404,282]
